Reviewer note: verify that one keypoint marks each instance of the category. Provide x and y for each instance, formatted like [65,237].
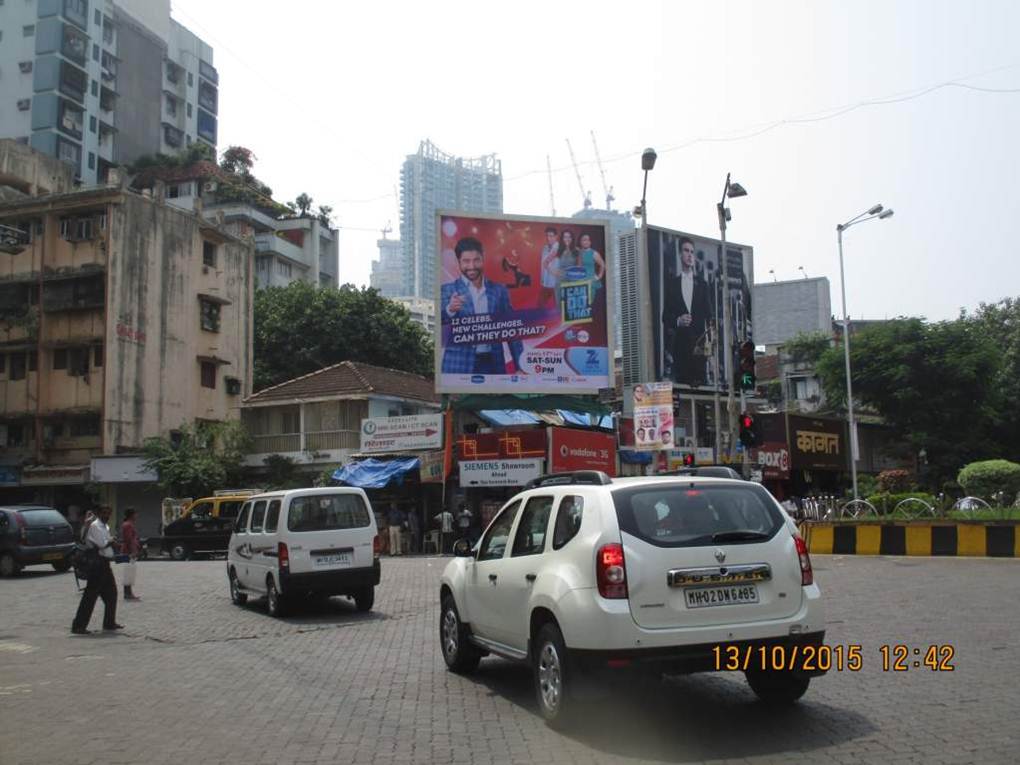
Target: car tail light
[22,527]
[283,554]
[376,546]
[611,571]
[806,575]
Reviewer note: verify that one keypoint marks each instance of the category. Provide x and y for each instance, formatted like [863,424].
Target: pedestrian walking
[395,519]
[131,546]
[445,522]
[101,583]
[464,521]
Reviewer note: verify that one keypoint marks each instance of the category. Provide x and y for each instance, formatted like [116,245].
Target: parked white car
[305,542]
[587,577]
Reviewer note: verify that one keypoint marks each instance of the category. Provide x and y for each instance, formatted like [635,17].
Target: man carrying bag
[101,583]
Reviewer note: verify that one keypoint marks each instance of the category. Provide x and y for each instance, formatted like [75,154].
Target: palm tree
[303,204]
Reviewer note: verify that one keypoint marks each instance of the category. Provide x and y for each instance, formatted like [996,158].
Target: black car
[33,535]
[190,535]
[707,471]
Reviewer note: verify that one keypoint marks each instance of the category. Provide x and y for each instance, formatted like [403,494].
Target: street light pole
[730,190]
[648,157]
[875,212]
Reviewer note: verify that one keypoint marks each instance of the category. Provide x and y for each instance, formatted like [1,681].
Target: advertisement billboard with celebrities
[521,305]
[653,416]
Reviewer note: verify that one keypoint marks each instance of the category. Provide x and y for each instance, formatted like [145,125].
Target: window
[99,17]
[172,192]
[77,11]
[77,361]
[60,358]
[171,105]
[241,525]
[494,543]
[258,516]
[209,254]
[191,80]
[207,97]
[189,111]
[273,516]
[327,512]
[72,119]
[92,124]
[202,511]
[208,374]
[15,434]
[568,521]
[206,127]
[208,71]
[107,32]
[97,356]
[291,421]
[69,152]
[530,536]
[229,509]
[28,31]
[3,363]
[95,52]
[210,313]
[95,90]
[283,268]
[72,81]
[17,367]
[33,361]
[171,72]
[92,161]
[85,426]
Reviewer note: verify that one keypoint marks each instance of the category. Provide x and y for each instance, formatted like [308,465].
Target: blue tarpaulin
[635,458]
[375,474]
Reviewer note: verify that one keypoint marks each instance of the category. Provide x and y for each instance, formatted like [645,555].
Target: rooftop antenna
[585,195]
[386,229]
[802,271]
[606,187]
[548,172]
[773,272]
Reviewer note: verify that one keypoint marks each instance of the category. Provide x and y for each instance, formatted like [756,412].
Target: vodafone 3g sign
[582,450]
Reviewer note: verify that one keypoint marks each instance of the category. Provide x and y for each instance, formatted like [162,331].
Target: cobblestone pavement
[196,679]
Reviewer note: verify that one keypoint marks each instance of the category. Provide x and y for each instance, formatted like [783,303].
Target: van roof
[308,492]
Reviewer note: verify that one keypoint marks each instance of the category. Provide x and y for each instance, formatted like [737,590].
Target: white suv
[584,576]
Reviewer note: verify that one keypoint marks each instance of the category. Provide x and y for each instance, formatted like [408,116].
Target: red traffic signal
[748,431]
[688,460]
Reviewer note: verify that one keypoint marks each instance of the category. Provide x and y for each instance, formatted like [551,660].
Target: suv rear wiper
[738,535]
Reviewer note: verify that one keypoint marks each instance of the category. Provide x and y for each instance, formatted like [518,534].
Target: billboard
[522,305]
[685,280]
[653,416]
[571,449]
[498,472]
[394,434]
[817,443]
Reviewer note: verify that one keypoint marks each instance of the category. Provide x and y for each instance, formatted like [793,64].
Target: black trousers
[100,585]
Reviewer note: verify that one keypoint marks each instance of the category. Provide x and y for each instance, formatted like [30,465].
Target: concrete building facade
[432,180]
[101,83]
[391,273]
[121,318]
[783,310]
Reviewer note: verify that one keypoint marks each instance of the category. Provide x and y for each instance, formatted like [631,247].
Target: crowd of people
[402,533]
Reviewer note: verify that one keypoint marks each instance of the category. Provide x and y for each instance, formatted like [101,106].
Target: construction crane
[548,172]
[606,187]
[585,195]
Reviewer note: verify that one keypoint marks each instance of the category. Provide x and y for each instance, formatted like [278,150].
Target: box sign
[506,444]
[571,449]
[476,473]
[774,459]
[396,434]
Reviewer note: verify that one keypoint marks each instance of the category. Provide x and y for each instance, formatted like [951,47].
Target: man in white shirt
[101,583]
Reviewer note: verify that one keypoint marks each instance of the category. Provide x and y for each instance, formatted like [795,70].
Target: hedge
[989,477]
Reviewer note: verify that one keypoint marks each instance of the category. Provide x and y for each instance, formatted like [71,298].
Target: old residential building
[315,420]
[121,318]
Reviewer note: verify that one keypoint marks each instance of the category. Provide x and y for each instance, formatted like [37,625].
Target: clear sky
[331,96]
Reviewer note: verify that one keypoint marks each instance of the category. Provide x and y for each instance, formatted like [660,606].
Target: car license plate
[334,559]
[53,556]
[703,597]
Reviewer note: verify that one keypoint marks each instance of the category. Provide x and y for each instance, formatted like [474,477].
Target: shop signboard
[653,416]
[503,444]
[430,467]
[477,473]
[571,449]
[395,434]
[773,455]
[817,444]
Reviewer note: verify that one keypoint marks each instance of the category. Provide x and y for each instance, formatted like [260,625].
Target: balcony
[276,443]
[331,440]
[279,245]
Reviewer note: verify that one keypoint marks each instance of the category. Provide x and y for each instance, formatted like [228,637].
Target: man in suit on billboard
[685,317]
[469,295]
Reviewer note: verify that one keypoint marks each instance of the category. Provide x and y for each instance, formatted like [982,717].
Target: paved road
[195,679]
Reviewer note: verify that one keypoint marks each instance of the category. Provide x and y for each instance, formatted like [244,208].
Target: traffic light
[748,430]
[689,459]
[746,379]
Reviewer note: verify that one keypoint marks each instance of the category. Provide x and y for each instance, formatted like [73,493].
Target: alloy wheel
[550,677]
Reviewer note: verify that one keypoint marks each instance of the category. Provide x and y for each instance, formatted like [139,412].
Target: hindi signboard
[653,416]
[396,434]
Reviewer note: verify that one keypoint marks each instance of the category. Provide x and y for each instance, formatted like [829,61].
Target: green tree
[205,457]
[933,383]
[303,203]
[302,328]
[238,160]
[1000,322]
[325,216]
[807,346]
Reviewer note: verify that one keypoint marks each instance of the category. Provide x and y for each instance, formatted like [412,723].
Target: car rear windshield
[43,517]
[694,514]
[327,512]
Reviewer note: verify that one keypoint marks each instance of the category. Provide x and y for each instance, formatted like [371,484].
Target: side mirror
[462,549]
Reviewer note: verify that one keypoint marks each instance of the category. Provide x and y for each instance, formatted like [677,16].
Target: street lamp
[880,213]
[648,157]
[731,190]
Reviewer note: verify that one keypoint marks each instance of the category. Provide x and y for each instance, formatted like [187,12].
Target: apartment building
[391,273]
[98,83]
[122,317]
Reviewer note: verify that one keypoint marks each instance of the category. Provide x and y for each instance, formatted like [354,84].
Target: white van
[305,542]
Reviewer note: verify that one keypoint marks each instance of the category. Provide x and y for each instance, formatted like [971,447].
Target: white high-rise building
[432,180]
[391,273]
[99,83]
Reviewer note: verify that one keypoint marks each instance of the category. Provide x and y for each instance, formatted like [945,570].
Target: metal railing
[331,440]
[273,444]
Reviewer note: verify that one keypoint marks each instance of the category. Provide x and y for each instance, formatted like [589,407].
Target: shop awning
[375,474]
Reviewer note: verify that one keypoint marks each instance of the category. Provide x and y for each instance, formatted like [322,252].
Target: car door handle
[492,578]
[530,577]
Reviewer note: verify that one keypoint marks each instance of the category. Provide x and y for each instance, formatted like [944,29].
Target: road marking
[13,647]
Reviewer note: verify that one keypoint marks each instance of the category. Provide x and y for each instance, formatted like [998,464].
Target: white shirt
[687,288]
[480,301]
[446,519]
[99,536]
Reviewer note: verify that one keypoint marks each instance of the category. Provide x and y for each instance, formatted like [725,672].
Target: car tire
[236,596]
[777,687]
[275,604]
[460,655]
[62,566]
[8,565]
[553,682]
[364,599]
[180,551]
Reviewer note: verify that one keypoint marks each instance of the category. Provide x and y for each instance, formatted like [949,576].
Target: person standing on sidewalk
[414,526]
[101,583]
[131,546]
[395,519]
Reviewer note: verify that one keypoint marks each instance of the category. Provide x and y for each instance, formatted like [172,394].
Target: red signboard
[505,444]
[774,458]
[581,450]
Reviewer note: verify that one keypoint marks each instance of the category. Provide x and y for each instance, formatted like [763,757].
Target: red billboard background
[581,450]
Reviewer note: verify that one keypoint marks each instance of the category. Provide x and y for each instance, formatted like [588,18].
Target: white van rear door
[331,530]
